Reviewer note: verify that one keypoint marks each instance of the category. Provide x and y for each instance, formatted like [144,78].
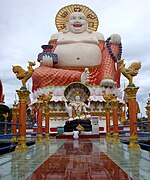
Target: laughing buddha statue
[78,53]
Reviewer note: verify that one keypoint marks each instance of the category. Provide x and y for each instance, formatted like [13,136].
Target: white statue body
[78,46]
[75,47]
[78,108]
[69,110]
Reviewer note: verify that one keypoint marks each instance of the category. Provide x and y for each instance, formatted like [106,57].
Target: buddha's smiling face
[77,23]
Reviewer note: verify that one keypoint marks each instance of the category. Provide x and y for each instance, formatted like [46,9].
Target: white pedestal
[95,129]
[95,125]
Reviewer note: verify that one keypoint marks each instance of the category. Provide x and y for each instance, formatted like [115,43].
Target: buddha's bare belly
[78,55]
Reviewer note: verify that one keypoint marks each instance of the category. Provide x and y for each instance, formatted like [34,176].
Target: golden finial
[5,116]
[46,98]
[23,75]
[129,72]
[123,115]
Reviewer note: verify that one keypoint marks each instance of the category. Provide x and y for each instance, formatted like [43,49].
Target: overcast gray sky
[25,25]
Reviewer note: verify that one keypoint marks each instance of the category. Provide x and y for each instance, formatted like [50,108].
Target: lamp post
[23,94]
[107,113]
[148,112]
[39,105]
[46,99]
[131,92]
[23,98]
[47,125]
[114,105]
[5,120]
[14,121]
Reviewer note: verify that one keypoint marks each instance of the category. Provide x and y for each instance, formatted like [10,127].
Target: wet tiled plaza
[76,159]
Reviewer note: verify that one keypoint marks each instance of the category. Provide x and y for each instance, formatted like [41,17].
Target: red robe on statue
[50,76]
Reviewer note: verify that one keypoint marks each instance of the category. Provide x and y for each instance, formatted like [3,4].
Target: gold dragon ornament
[46,98]
[23,75]
[129,72]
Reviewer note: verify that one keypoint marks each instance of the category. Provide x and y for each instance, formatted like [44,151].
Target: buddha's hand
[108,83]
[85,76]
[115,38]
[47,61]
[89,99]
[64,99]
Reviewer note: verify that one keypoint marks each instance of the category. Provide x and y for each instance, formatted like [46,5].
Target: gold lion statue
[23,75]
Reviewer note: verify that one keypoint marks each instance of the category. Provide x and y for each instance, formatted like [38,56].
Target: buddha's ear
[66,28]
[67,24]
[87,25]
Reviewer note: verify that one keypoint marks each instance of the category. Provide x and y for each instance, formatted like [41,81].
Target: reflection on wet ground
[75,159]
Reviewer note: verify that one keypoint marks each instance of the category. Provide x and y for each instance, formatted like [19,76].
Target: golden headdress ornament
[63,15]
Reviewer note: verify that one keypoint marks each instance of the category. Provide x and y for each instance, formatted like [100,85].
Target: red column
[108,133]
[39,120]
[131,95]
[23,98]
[14,121]
[114,106]
[47,124]
[115,120]
[148,113]
[132,116]
[149,120]
[22,118]
[19,127]
[39,116]
[107,122]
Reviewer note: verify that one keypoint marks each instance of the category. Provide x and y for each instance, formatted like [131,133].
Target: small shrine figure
[75,134]
[79,108]
[78,93]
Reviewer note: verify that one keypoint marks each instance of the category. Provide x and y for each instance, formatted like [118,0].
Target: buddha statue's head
[77,23]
